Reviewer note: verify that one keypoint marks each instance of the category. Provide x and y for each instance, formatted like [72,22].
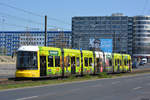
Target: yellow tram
[40,61]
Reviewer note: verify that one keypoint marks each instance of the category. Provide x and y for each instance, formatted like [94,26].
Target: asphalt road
[125,88]
[144,66]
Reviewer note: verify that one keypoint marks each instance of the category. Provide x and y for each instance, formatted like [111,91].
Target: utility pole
[79,36]
[120,38]
[114,40]
[4,45]
[27,36]
[45,30]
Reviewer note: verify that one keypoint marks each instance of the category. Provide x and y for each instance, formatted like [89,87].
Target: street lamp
[79,37]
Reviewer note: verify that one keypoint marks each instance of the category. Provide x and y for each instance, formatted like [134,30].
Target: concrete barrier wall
[7,70]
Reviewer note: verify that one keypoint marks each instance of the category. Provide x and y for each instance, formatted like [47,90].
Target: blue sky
[62,11]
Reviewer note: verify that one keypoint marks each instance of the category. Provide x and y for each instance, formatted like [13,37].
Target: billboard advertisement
[104,45]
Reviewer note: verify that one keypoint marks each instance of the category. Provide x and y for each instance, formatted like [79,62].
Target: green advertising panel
[53,53]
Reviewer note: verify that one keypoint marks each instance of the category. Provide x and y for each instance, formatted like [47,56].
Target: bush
[72,77]
[104,75]
[87,76]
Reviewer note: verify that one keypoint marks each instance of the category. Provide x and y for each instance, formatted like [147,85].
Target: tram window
[57,61]
[26,60]
[86,61]
[34,58]
[97,61]
[100,59]
[90,61]
[110,62]
[50,61]
[67,61]
[115,62]
[129,62]
[78,61]
[125,62]
[120,62]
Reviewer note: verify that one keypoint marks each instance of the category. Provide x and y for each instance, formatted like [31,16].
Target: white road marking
[115,82]
[27,98]
[137,88]
[62,93]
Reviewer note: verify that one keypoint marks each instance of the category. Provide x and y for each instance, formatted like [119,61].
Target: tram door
[118,65]
[98,65]
[42,65]
[73,67]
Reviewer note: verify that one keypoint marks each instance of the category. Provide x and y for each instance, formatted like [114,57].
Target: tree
[60,41]
[3,50]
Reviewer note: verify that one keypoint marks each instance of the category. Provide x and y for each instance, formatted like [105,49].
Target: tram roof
[28,48]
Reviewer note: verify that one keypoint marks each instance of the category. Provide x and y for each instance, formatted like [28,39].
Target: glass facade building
[141,36]
[115,27]
[10,41]
[129,34]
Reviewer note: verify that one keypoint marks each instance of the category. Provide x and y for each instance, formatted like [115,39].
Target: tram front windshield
[27,60]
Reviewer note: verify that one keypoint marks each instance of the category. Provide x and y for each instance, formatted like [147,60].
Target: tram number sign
[53,53]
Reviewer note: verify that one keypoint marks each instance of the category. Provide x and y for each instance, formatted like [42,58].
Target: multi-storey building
[141,36]
[11,40]
[114,27]
[129,34]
